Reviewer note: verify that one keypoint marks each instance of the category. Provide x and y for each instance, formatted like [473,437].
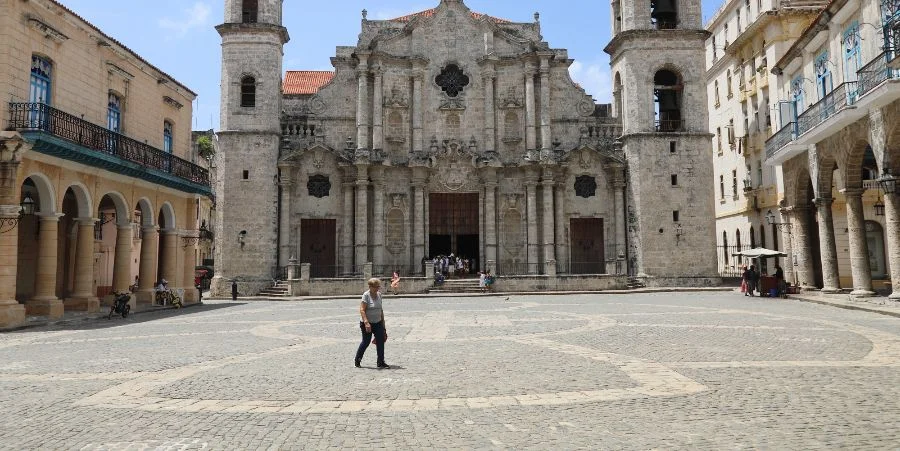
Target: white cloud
[194,17]
[594,78]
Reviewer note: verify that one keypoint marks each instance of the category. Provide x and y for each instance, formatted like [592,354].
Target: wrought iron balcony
[670,126]
[96,145]
[780,139]
[835,101]
[875,73]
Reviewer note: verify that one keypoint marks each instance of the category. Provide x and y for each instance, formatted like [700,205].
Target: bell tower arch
[658,58]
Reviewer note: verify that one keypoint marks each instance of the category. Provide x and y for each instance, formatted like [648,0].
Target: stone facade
[449,131]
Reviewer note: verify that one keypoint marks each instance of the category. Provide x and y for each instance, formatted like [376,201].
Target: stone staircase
[281,289]
[457,286]
[634,283]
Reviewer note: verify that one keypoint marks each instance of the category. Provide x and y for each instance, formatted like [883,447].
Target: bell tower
[659,76]
[249,137]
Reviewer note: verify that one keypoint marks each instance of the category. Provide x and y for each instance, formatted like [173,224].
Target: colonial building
[746,38]
[96,190]
[451,131]
[838,143]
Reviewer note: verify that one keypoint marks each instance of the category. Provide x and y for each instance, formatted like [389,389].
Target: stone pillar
[619,200]
[45,302]
[490,217]
[347,228]
[293,269]
[11,312]
[362,103]
[562,251]
[490,135]
[84,297]
[187,267]
[305,271]
[378,217]
[418,144]
[550,268]
[378,110]
[286,183]
[859,248]
[122,264]
[801,229]
[786,238]
[546,136]
[831,281]
[169,268]
[149,252]
[367,271]
[531,224]
[892,236]
[361,235]
[418,216]
[548,215]
[530,133]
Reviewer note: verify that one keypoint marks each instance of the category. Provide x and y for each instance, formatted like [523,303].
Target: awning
[759,252]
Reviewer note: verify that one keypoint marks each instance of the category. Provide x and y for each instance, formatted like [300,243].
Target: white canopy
[760,252]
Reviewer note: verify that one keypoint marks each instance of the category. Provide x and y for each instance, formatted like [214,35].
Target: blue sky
[178,36]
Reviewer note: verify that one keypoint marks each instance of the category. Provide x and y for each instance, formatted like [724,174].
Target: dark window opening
[249,11]
[675,216]
[674,179]
[664,14]
[248,92]
[246,174]
[452,80]
[585,186]
[671,146]
[667,92]
[318,186]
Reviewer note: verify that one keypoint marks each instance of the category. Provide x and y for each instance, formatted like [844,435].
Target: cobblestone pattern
[699,371]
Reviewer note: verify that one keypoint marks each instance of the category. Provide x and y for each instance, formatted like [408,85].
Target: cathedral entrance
[587,246]
[453,226]
[317,246]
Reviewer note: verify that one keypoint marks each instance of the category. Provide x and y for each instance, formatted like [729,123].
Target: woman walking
[372,323]
[395,283]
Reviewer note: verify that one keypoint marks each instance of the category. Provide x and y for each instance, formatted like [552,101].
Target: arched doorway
[167,256]
[79,227]
[875,241]
[113,231]
[37,265]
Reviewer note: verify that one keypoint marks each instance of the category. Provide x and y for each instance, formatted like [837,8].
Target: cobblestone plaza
[613,371]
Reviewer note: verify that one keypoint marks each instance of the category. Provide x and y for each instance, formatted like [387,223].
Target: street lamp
[888,182]
[26,208]
[771,219]
[27,205]
[879,207]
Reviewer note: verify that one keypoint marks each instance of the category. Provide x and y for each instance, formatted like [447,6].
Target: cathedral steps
[281,289]
[457,286]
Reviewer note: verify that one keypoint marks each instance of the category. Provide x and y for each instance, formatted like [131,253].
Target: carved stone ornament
[584,160]
[452,80]
[585,186]
[586,108]
[512,201]
[319,186]
[396,99]
[456,175]
[318,160]
[511,99]
[317,105]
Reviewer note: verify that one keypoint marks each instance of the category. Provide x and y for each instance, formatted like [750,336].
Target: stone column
[45,302]
[84,297]
[11,312]
[169,268]
[490,136]
[361,235]
[531,224]
[562,254]
[362,103]
[892,236]
[347,228]
[418,144]
[378,110]
[378,217]
[418,216]
[619,208]
[547,183]
[786,238]
[831,281]
[122,264]
[530,132]
[147,275]
[490,216]
[188,263]
[546,136]
[286,183]
[859,248]
[801,229]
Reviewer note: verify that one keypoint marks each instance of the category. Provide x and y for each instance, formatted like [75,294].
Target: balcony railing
[873,74]
[835,101]
[43,118]
[670,126]
[780,139]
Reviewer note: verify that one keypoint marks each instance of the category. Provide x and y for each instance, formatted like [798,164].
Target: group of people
[452,265]
[750,280]
[485,280]
[166,295]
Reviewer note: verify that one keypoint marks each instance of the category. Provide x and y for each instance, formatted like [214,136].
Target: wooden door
[318,246]
[587,246]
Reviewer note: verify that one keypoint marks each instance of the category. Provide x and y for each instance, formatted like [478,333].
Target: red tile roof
[430,12]
[305,81]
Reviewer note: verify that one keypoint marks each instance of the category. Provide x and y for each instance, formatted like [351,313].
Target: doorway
[453,226]
[587,246]
[317,246]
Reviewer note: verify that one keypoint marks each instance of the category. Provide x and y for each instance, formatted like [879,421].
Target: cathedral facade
[454,132]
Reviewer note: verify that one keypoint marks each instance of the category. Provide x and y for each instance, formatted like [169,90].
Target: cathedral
[450,131]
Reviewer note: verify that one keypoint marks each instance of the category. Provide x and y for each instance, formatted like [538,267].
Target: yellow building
[96,185]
